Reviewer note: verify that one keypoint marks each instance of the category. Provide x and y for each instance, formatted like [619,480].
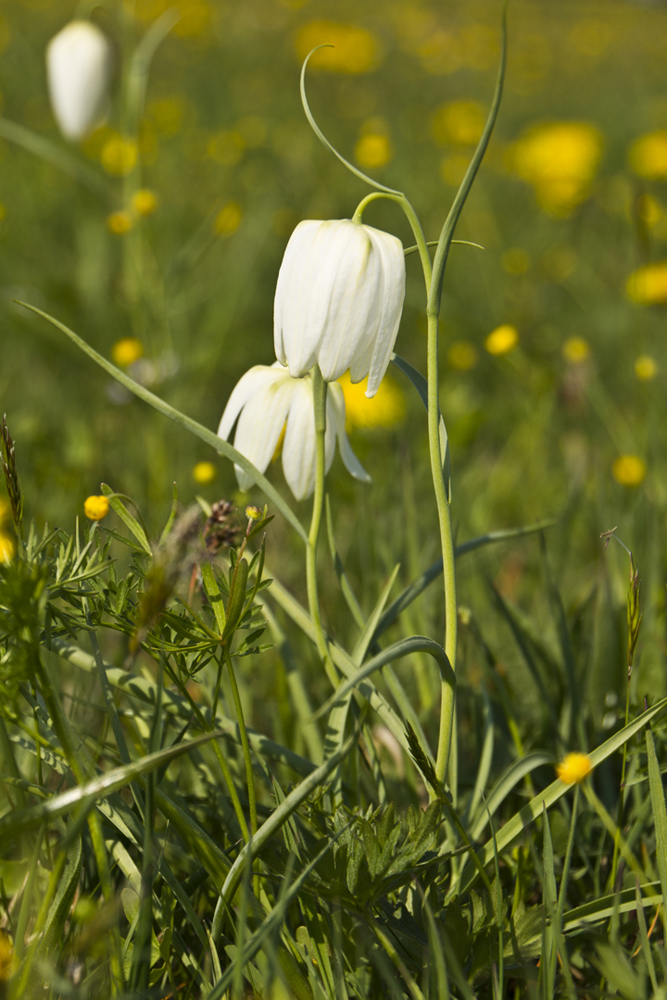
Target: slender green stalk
[320,409]
[395,957]
[250,778]
[568,857]
[446,544]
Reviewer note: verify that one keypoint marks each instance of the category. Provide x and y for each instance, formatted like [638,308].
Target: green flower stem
[433,282]
[394,955]
[415,225]
[250,778]
[568,858]
[446,545]
[320,409]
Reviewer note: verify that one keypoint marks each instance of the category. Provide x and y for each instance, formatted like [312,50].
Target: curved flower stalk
[78,66]
[339,300]
[268,401]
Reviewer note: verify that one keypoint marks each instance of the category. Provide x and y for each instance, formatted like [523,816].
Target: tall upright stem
[440,490]
[320,410]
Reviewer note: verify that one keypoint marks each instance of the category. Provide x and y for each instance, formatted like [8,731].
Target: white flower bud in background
[78,68]
[267,402]
[339,300]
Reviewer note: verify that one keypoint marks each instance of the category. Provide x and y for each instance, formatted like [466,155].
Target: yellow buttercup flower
[385,409]
[126,351]
[119,155]
[226,148]
[576,350]
[629,470]
[204,472]
[168,113]
[645,368]
[144,201]
[373,151]
[7,957]
[462,355]
[574,768]
[515,260]
[228,219]
[559,160]
[119,223]
[648,285]
[647,155]
[354,49]
[502,340]
[96,508]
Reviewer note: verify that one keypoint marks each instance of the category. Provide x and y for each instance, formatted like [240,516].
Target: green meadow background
[574,228]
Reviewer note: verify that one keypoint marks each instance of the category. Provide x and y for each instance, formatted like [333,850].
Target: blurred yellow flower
[373,151]
[440,52]
[7,957]
[459,122]
[647,156]
[96,508]
[502,339]
[648,285]
[355,50]
[559,160]
[228,219]
[629,470]
[4,509]
[574,768]
[515,260]
[119,223]
[204,472]
[126,351]
[119,155]
[645,368]
[462,355]
[7,549]
[144,201]
[385,409]
[576,350]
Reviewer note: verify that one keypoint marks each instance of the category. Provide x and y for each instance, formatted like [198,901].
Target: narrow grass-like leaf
[485,757]
[421,385]
[128,519]
[508,780]
[659,815]
[76,168]
[203,433]
[643,937]
[549,960]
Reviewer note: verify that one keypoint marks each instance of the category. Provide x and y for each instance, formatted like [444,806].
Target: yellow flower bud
[96,508]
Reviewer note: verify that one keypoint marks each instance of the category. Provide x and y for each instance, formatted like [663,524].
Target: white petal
[299,443]
[390,251]
[78,63]
[253,381]
[354,307]
[336,417]
[260,425]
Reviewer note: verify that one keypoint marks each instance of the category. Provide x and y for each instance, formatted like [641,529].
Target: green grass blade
[361,648]
[659,815]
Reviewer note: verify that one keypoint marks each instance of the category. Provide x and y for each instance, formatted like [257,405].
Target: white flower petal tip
[339,300]
[267,401]
[78,69]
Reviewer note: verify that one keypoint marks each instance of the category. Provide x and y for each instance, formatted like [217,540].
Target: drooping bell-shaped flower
[78,68]
[338,300]
[268,401]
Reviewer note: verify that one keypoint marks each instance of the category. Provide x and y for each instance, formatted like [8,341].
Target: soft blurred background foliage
[553,346]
